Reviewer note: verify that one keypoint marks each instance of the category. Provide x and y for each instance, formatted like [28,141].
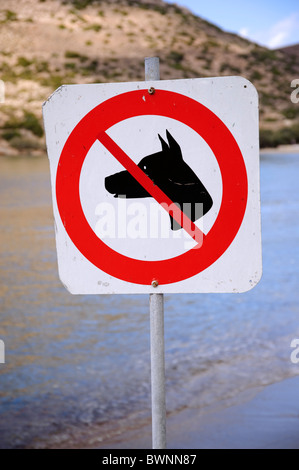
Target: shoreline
[268,420]
[265,417]
[281,149]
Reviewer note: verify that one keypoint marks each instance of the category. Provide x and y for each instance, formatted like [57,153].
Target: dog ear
[173,146]
[165,146]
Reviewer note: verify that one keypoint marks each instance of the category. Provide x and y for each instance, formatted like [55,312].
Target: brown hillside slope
[292,51]
[45,43]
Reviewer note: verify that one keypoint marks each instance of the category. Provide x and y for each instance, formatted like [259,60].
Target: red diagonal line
[139,175]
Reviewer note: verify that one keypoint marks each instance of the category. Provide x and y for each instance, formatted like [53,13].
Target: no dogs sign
[156,190]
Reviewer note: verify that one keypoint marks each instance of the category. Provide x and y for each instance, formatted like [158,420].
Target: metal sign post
[158,371]
[152,72]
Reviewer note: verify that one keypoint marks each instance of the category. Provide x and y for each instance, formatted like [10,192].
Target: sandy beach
[268,420]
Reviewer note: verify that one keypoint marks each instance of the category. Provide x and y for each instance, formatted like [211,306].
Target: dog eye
[144,167]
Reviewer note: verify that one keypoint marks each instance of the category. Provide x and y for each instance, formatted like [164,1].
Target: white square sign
[156,185]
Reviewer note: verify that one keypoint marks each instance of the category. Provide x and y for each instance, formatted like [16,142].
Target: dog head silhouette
[172,175]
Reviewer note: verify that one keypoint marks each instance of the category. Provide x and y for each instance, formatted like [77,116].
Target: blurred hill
[292,51]
[45,43]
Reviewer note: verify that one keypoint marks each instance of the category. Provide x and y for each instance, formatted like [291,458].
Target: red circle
[210,128]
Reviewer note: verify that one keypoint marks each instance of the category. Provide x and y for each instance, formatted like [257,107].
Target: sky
[270,23]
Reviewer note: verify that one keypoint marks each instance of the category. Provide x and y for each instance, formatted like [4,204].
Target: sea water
[72,362]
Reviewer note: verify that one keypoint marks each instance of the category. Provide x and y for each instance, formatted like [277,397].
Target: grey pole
[158,371]
[152,72]
[152,68]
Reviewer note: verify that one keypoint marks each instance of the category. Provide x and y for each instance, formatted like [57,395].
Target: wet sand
[269,420]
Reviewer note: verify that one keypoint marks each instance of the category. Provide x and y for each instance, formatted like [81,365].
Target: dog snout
[119,183]
[123,184]
[111,183]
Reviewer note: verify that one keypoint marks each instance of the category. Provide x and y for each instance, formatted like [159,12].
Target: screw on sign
[169,176]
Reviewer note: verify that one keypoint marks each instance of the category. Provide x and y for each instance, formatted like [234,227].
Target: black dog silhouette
[172,175]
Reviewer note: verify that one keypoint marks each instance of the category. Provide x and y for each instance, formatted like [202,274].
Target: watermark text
[2,352]
[135,220]
[2,91]
[295,354]
[295,93]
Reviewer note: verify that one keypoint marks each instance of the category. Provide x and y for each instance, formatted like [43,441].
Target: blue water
[73,362]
